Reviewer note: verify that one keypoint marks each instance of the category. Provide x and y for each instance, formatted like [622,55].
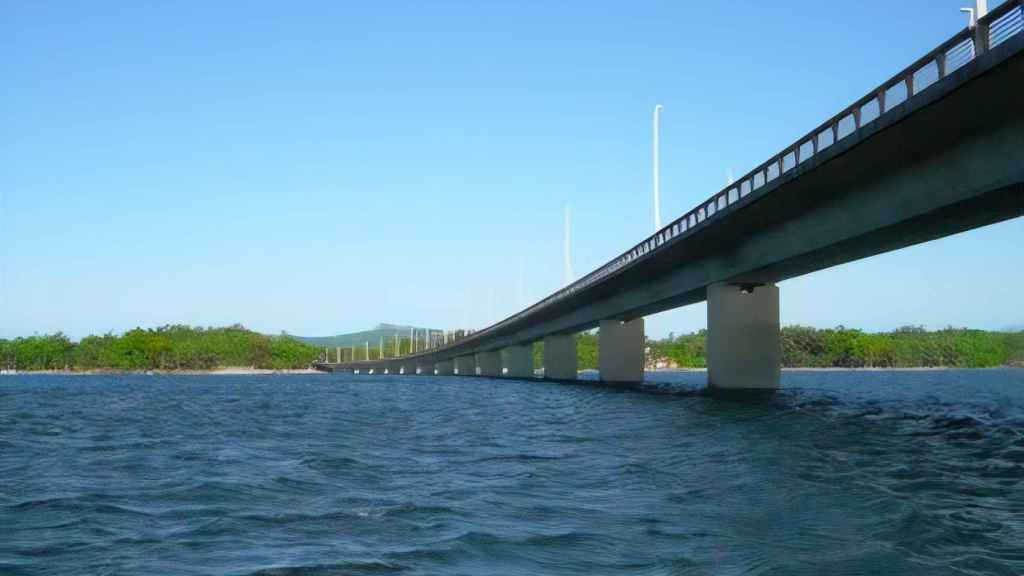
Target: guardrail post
[980,38]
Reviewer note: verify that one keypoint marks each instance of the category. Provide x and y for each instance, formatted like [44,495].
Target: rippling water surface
[838,473]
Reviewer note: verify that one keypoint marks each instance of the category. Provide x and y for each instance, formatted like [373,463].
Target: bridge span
[935,150]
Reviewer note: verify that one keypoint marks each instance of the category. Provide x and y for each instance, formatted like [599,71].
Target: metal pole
[981,39]
[657,169]
[567,254]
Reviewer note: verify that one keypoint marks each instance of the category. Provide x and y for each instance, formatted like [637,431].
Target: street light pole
[657,168]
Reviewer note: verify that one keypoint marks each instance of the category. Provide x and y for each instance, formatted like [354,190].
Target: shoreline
[223,371]
[851,369]
[245,371]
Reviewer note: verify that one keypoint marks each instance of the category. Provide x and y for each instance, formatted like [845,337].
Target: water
[839,473]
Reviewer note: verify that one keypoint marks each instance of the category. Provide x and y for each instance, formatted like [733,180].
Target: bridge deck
[879,176]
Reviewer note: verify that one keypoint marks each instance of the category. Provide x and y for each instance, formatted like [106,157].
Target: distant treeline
[188,348]
[165,348]
[804,347]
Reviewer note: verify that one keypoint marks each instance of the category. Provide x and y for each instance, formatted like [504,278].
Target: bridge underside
[944,162]
[948,160]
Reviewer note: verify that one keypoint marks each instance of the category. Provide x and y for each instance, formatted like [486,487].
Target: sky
[321,167]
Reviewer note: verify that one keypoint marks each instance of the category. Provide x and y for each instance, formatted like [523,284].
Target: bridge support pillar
[465,366]
[409,368]
[744,345]
[488,363]
[620,350]
[444,368]
[518,361]
[560,357]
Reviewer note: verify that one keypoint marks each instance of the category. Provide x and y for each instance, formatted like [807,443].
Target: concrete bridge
[935,150]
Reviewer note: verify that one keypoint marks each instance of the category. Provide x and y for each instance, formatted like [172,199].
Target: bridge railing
[1000,24]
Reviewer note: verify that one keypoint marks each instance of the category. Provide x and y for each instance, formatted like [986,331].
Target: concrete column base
[488,364]
[560,361]
[518,361]
[465,366]
[744,345]
[444,368]
[620,350]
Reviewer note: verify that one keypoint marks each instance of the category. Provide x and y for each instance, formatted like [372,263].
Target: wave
[80,504]
[354,568]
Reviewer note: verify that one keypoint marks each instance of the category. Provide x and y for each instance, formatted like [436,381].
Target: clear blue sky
[319,167]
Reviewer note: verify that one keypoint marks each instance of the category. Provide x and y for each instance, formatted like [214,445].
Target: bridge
[935,150]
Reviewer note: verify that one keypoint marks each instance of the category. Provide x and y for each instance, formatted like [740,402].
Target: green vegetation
[187,348]
[803,347]
[165,348]
[840,347]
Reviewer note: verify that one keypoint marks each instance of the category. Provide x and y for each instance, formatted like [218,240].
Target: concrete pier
[560,357]
[620,352]
[444,368]
[518,361]
[465,366]
[409,368]
[744,345]
[488,363]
